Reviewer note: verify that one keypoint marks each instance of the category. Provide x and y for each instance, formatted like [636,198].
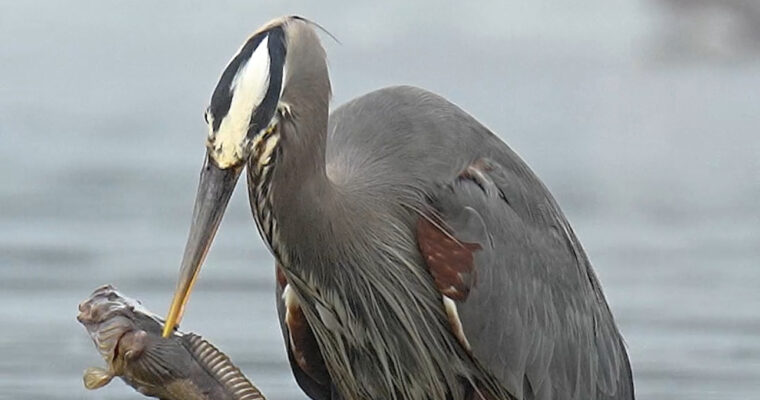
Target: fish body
[182,366]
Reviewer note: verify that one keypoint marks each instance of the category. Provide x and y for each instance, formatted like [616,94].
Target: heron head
[243,107]
[244,102]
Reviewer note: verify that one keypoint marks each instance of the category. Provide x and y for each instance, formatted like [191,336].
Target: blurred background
[641,116]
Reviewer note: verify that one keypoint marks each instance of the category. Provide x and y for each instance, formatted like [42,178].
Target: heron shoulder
[402,135]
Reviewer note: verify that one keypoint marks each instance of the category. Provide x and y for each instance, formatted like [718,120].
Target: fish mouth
[102,305]
[107,316]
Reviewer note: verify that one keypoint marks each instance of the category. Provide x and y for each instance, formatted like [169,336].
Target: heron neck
[300,188]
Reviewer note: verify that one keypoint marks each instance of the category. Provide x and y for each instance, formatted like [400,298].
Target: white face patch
[249,86]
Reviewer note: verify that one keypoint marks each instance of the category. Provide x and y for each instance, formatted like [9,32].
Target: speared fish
[183,366]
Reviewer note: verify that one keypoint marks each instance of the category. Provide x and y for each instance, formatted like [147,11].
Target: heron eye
[205,116]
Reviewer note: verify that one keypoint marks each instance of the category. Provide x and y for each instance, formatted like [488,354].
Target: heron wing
[529,305]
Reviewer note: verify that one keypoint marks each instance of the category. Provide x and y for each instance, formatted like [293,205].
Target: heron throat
[265,150]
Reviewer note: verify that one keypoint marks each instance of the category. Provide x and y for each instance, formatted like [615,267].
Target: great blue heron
[417,256]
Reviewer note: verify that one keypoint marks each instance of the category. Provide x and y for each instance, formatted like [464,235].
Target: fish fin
[133,344]
[156,359]
[218,365]
[95,378]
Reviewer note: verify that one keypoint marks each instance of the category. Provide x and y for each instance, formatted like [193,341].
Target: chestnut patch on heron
[281,280]
[450,261]
[303,346]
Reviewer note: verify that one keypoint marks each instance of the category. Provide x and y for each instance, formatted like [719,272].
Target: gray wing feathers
[530,317]
[536,317]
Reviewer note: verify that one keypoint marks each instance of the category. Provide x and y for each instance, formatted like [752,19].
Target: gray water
[642,120]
